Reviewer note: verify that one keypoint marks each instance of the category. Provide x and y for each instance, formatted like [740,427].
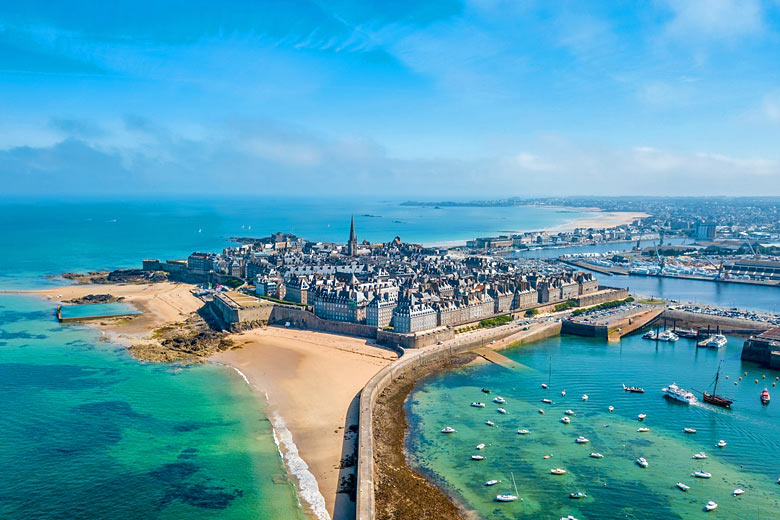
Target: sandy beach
[604,219]
[311,380]
[161,304]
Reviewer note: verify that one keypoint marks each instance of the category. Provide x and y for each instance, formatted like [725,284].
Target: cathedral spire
[352,244]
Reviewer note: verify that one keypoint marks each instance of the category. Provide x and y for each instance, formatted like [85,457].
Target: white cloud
[713,19]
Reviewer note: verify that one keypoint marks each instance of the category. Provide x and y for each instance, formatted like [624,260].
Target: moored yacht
[650,334]
[490,423]
[578,494]
[477,457]
[721,444]
[547,401]
[642,462]
[702,474]
[492,482]
[498,399]
[738,492]
[541,411]
[643,429]
[563,392]
[668,336]
[683,486]
[634,389]
[523,432]
[584,397]
[596,456]
[700,455]
[477,404]
[641,417]
[678,394]
[714,341]
[448,429]
[569,412]
[581,440]
[565,420]
[481,446]
[501,410]
[689,430]
[711,506]
[558,471]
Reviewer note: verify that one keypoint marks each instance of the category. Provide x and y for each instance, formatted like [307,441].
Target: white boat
[668,335]
[714,341]
[643,429]
[683,486]
[523,432]
[578,494]
[689,430]
[558,471]
[701,455]
[642,462]
[499,400]
[565,420]
[477,457]
[650,335]
[679,394]
[596,456]
[702,474]
[581,440]
[738,492]
[476,404]
[570,517]
[569,412]
[611,408]
[641,417]
[544,385]
[490,423]
[448,429]
[547,401]
[711,506]
[584,397]
[481,446]
[563,392]
[492,482]
[501,410]
[721,444]
[541,411]
[508,497]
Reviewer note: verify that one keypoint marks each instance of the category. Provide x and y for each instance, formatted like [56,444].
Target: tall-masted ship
[714,398]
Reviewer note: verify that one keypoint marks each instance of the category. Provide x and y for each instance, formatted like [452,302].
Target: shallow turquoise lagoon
[615,485]
[98,309]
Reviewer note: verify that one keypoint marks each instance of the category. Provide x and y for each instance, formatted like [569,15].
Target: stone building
[379,312]
[297,290]
[412,316]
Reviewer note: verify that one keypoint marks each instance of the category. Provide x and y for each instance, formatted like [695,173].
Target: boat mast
[717,376]
[515,484]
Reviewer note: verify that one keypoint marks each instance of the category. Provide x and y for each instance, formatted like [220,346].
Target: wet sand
[312,380]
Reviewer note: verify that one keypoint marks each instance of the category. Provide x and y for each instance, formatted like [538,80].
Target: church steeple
[352,244]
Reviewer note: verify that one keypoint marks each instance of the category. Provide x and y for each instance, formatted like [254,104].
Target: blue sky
[447,99]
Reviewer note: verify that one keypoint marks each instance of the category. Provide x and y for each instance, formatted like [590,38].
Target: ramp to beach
[500,359]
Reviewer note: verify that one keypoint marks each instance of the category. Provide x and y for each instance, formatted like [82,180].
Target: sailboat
[714,398]
[508,497]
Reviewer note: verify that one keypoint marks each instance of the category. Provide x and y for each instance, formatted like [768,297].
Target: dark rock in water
[95,298]
[188,453]
[202,496]
[175,472]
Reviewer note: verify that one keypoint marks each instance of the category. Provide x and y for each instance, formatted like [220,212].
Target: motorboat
[541,411]
[702,474]
[714,341]
[501,410]
[448,429]
[570,517]
[678,394]
[481,446]
[565,420]
[544,385]
[711,506]
[596,456]
[492,482]
[668,336]
[700,455]
[558,471]
[490,423]
[643,429]
[523,432]
[689,430]
[584,397]
[477,457]
[683,486]
[485,390]
[578,494]
[641,417]
[563,393]
[547,401]
[721,444]
[650,334]
[634,389]
[642,462]
[765,396]
[581,440]
[738,492]
[686,333]
[569,412]
[498,399]
[476,404]
[611,408]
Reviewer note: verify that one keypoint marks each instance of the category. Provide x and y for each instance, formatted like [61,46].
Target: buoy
[763,377]
[727,377]
[756,381]
[777,378]
[740,378]
[745,373]
[773,384]
[735,382]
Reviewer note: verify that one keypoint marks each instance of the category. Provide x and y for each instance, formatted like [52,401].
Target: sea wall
[697,321]
[301,318]
[414,359]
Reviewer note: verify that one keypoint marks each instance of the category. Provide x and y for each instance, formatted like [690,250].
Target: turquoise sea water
[97,309]
[616,487]
[88,432]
